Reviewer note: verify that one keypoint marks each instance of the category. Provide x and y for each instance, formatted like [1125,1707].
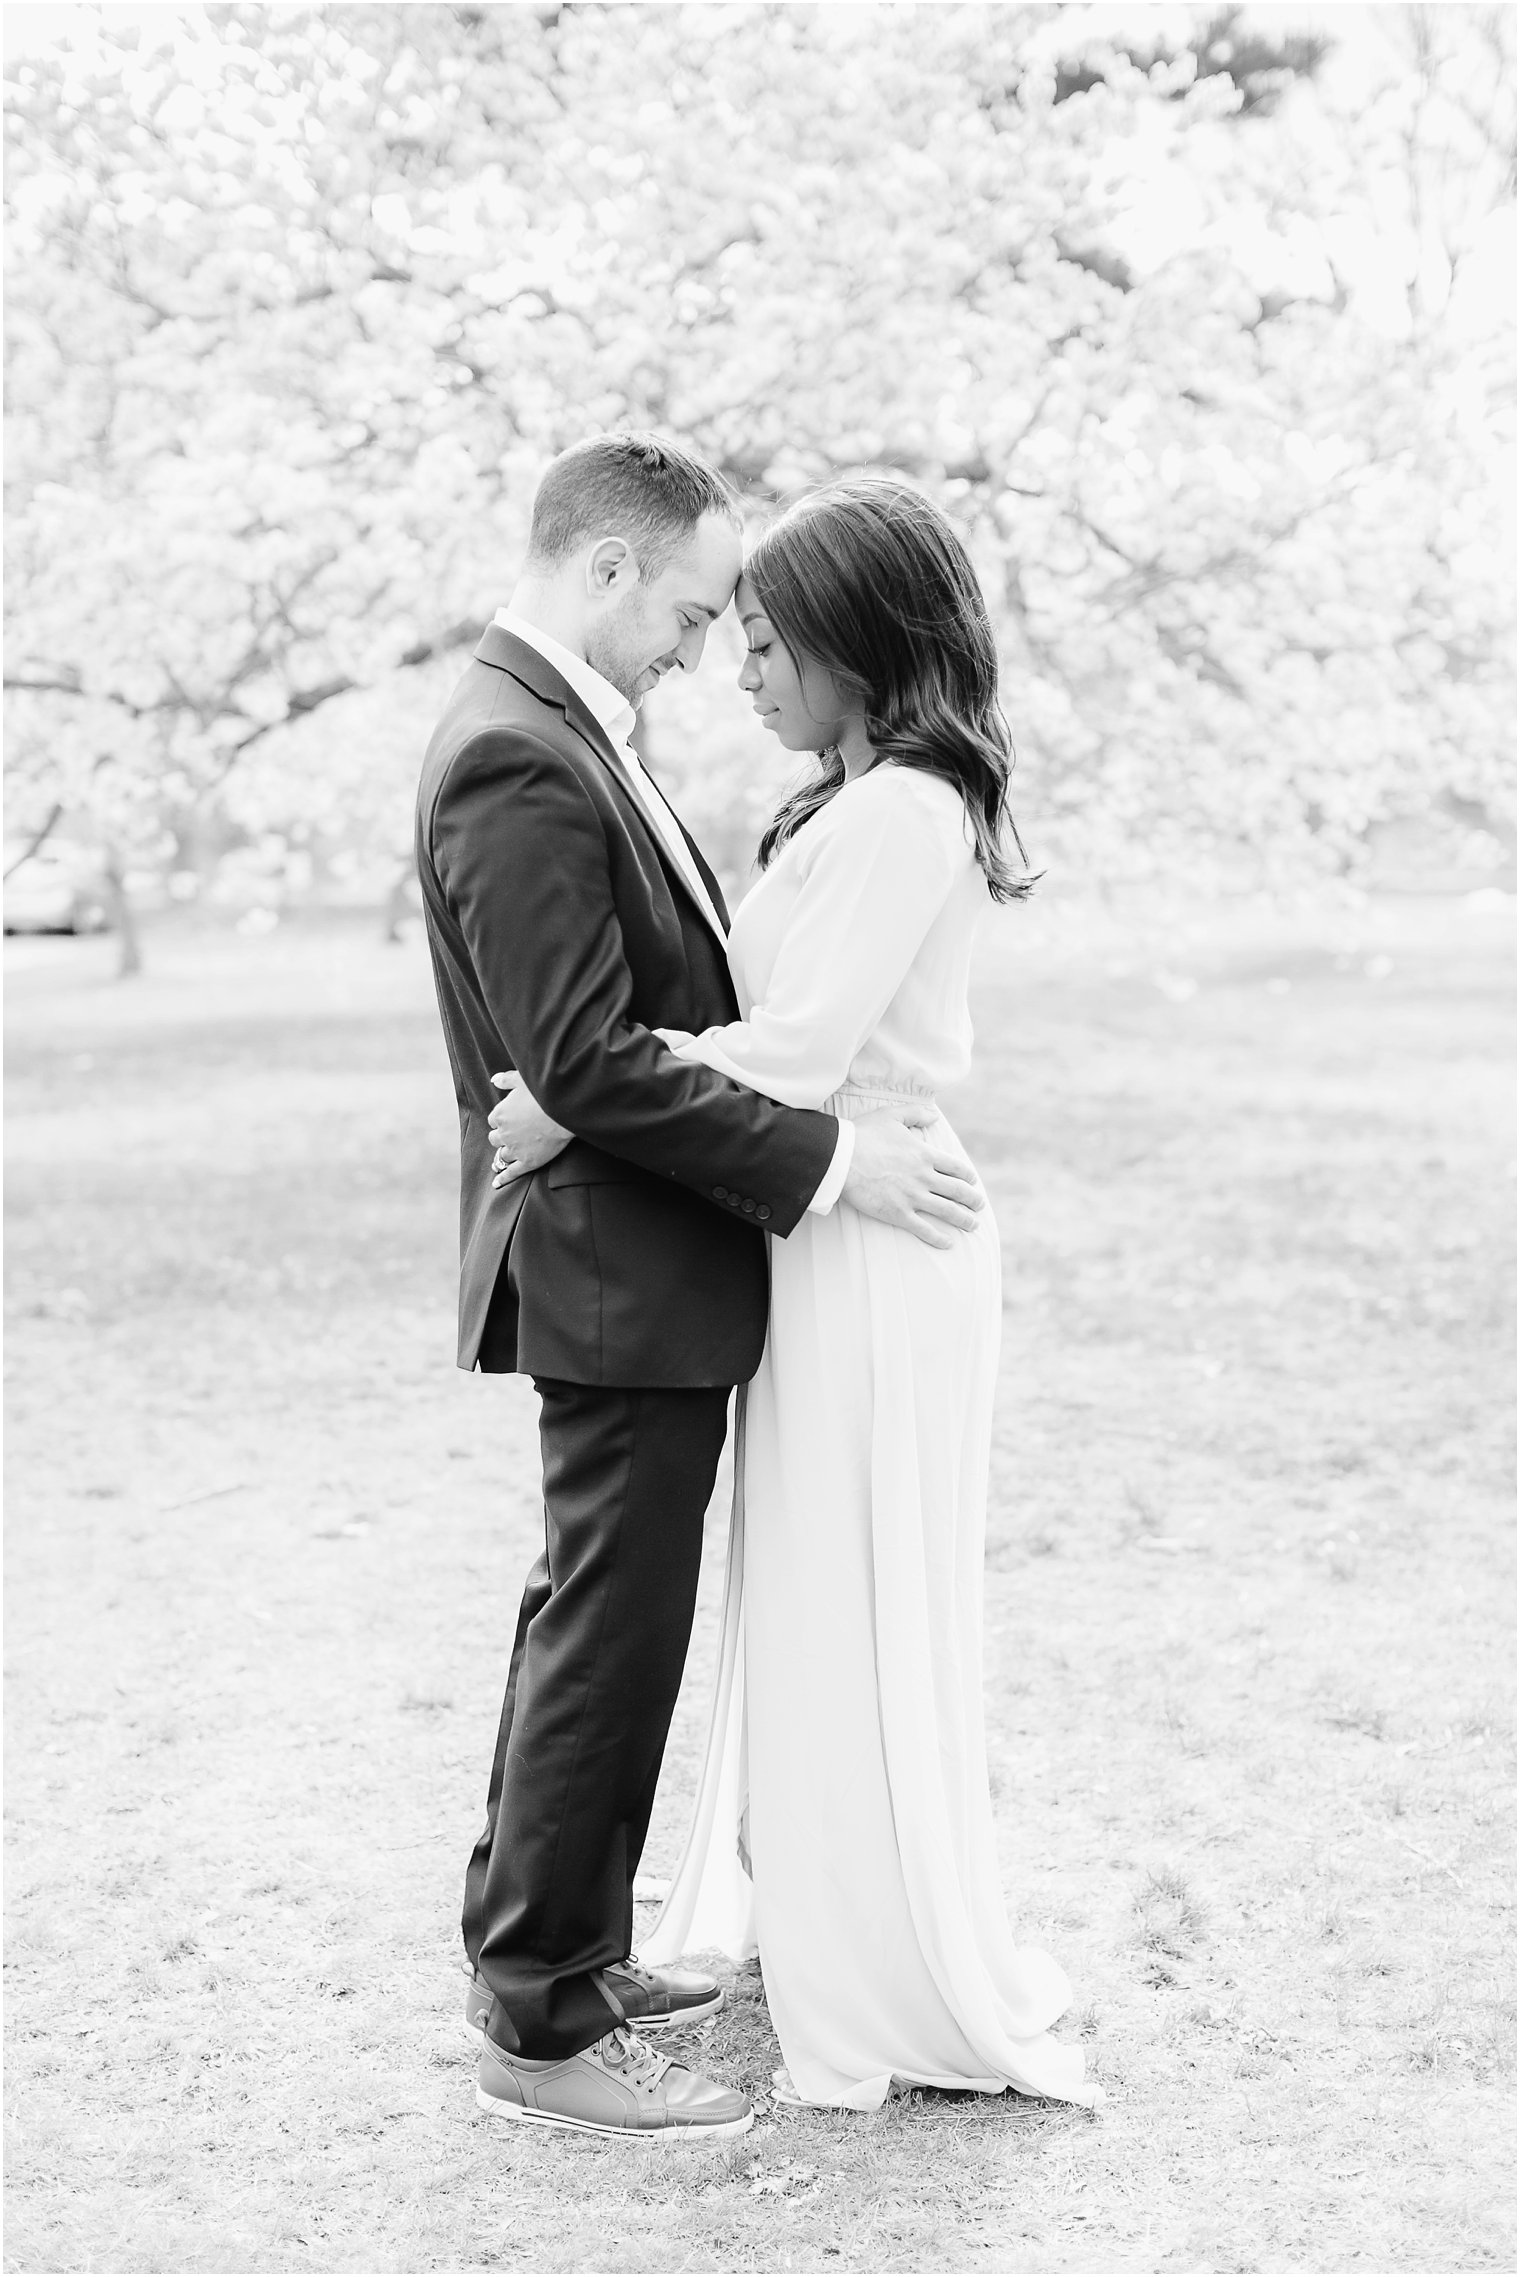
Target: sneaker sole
[712,2130]
[642,2024]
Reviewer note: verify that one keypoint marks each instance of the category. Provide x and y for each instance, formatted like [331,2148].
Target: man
[568,916]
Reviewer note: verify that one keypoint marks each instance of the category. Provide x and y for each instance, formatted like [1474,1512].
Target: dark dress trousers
[628,1278]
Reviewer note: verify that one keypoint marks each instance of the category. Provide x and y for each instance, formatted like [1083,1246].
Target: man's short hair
[637,487]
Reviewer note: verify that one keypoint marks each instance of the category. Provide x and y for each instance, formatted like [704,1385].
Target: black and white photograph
[759,890]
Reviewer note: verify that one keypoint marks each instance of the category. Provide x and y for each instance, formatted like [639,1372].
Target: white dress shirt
[615,716]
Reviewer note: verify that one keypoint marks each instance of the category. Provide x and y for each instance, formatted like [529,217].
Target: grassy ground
[1248,1611]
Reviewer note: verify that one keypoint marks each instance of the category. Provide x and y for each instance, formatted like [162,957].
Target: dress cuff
[838,1170]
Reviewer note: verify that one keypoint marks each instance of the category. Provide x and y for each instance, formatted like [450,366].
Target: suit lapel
[591,732]
[507,653]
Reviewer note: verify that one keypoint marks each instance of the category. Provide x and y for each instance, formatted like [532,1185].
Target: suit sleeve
[521,854]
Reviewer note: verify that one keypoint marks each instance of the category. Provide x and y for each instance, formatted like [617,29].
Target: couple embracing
[718,1163]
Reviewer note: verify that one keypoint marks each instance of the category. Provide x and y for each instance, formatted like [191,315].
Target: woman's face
[801,703]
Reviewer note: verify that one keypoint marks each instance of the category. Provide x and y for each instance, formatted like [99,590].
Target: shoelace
[624,2052]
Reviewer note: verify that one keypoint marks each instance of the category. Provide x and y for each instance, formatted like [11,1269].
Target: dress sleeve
[882,860]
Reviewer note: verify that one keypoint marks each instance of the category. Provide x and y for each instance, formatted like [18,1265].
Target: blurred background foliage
[1198,322]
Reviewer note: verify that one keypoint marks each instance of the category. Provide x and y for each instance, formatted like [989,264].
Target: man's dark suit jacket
[562,932]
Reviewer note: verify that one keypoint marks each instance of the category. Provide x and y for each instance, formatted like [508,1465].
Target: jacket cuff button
[720,1193]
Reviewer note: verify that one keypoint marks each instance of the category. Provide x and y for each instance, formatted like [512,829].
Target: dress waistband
[852,1099]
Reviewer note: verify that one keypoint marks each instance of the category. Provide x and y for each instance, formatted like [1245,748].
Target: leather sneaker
[619,2087]
[654,1999]
[651,2000]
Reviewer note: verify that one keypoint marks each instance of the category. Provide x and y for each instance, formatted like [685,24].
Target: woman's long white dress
[843,1822]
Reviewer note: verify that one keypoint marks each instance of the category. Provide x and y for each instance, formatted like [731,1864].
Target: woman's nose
[749,675]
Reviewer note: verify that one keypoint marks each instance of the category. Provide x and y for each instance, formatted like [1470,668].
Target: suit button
[763,1211]
[748,1207]
[720,1193]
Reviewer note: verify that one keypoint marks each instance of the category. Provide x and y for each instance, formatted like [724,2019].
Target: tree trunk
[123,919]
[396,902]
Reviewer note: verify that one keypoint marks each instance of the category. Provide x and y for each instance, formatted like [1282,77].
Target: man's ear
[611,566]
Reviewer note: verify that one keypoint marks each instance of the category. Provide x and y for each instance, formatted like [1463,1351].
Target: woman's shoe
[784,2090]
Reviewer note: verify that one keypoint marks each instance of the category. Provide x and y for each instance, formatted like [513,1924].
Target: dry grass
[1247,1607]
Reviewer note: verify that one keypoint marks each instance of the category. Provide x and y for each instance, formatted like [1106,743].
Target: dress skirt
[843,1825]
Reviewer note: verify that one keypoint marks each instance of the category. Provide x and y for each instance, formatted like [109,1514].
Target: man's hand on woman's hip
[902,1175]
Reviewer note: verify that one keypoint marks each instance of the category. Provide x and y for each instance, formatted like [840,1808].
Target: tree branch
[73,687]
[38,841]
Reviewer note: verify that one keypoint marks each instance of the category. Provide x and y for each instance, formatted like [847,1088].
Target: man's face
[662,622]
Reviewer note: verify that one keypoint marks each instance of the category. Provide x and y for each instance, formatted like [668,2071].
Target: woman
[843,1822]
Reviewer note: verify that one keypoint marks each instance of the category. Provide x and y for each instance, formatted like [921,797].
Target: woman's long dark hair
[868,579]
